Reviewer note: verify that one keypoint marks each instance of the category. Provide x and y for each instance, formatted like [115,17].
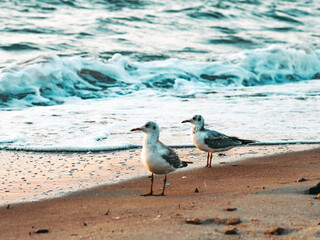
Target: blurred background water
[78,75]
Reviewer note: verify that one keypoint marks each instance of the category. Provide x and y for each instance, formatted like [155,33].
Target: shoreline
[32,176]
[262,192]
[134,147]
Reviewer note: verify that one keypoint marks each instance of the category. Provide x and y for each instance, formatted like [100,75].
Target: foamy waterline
[132,147]
[288,112]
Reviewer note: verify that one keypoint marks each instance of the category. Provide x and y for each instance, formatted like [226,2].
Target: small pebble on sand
[233,231]
[276,231]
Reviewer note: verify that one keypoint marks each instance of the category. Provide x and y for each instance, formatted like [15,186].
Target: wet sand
[262,192]
[31,176]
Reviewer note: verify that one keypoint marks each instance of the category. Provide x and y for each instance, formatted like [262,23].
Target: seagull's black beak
[185,121]
[135,129]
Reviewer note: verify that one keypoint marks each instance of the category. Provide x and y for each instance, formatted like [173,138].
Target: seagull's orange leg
[207,159]
[210,160]
[164,184]
[151,187]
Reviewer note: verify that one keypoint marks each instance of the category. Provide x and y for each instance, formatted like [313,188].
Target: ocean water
[78,75]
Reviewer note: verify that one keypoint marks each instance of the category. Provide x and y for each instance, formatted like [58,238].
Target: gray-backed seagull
[157,157]
[212,141]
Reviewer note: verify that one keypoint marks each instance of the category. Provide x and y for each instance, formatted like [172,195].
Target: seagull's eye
[154,127]
[199,119]
[147,125]
[194,118]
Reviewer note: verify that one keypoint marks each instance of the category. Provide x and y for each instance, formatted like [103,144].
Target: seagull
[157,157]
[212,141]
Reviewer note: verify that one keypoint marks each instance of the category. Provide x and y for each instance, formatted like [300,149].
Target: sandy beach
[252,199]
[31,176]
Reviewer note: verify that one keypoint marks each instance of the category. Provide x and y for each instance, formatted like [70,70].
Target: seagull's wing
[216,140]
[171,156]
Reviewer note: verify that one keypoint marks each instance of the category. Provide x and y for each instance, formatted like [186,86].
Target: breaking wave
[51,80]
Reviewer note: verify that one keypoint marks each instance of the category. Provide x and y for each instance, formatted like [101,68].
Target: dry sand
[263,193]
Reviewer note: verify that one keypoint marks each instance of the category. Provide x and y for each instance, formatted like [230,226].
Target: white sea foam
[289,112]
[51,80]
[262,94]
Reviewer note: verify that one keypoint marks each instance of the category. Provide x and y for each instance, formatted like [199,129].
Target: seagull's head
[196,120]
[148,128]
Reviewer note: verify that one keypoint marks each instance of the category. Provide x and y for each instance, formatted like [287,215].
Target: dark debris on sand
[233,231]
[217,221]
[315,189]
[41,231]
[276,231]
[231,209]
[301,179]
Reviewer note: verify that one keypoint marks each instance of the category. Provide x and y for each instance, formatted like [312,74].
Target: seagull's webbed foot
[147,194]
[160,195]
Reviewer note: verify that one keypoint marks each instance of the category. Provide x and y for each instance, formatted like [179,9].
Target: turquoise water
[78,75]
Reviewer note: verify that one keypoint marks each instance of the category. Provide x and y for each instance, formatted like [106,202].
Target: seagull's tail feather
[244,141]
[188,162]
[184,164]
[247,141]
